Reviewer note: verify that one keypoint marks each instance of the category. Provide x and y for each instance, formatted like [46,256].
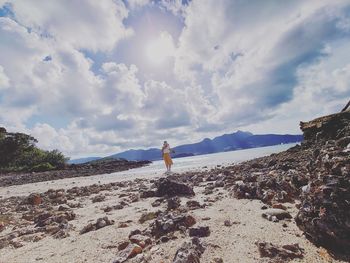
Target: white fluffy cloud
[83,24]
[4,80]
[236,64]
[252,51]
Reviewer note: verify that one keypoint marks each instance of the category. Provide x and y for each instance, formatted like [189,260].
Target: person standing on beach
[166,156]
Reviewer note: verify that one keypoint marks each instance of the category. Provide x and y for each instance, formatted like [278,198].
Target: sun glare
[160,48]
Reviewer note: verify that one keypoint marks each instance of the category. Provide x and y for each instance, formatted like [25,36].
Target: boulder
[171,187]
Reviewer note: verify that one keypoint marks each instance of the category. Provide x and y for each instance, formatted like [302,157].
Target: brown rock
[140,240]
[129,252]
[285,252]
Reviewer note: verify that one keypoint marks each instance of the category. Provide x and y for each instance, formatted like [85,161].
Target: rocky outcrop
[73,170]
[324,214]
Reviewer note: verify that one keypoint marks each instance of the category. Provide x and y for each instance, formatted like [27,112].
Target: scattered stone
[227,223]
[147,194]
[129,252]
[98,198]
[279,206]
[122,245]
[169,223]
[170,187]
[34,199]
[202,231]
[140,240]
[173,203]
[189,252]
[100,223]
[156,203]
[148,216]
[192,204]
[286,252]
[275,212]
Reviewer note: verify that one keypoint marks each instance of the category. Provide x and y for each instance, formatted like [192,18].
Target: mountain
[226,142]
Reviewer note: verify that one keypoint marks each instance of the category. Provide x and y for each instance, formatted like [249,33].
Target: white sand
[232,244]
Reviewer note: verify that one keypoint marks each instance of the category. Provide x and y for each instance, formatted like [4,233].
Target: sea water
[210,160]
[155,169]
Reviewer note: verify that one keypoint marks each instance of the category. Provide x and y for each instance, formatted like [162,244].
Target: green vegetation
[19,153]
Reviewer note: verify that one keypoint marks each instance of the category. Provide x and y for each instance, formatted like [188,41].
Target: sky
[93,78]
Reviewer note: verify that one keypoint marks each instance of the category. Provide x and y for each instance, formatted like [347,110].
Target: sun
[158,50]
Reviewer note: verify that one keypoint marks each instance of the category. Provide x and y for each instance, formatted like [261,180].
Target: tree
[19,153]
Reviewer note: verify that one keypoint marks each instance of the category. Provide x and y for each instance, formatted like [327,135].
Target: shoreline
[260,210]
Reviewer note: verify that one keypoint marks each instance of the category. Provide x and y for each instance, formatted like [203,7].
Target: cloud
[91,25]
[272,41]
[4,80]
[72,80]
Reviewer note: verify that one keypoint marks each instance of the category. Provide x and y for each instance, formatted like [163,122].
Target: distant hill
[227,142]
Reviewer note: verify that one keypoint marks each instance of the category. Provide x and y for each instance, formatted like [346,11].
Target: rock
[286,252]
[227,223]
[192,204]
[218,260]
[279,206]
[170,187]
[148,216]
[122,245]
[100,223]
[129,252]
[189,252]
[147,194]
[34,199]
[156,203]
[63,207]
[202,231]
[98,198]
[140,240]
[324,213]
[278,213]
[173,203]
[169,223]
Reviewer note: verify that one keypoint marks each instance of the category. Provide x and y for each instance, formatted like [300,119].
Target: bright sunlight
[161,48]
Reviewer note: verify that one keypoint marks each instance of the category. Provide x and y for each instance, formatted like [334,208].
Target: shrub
[42,167]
